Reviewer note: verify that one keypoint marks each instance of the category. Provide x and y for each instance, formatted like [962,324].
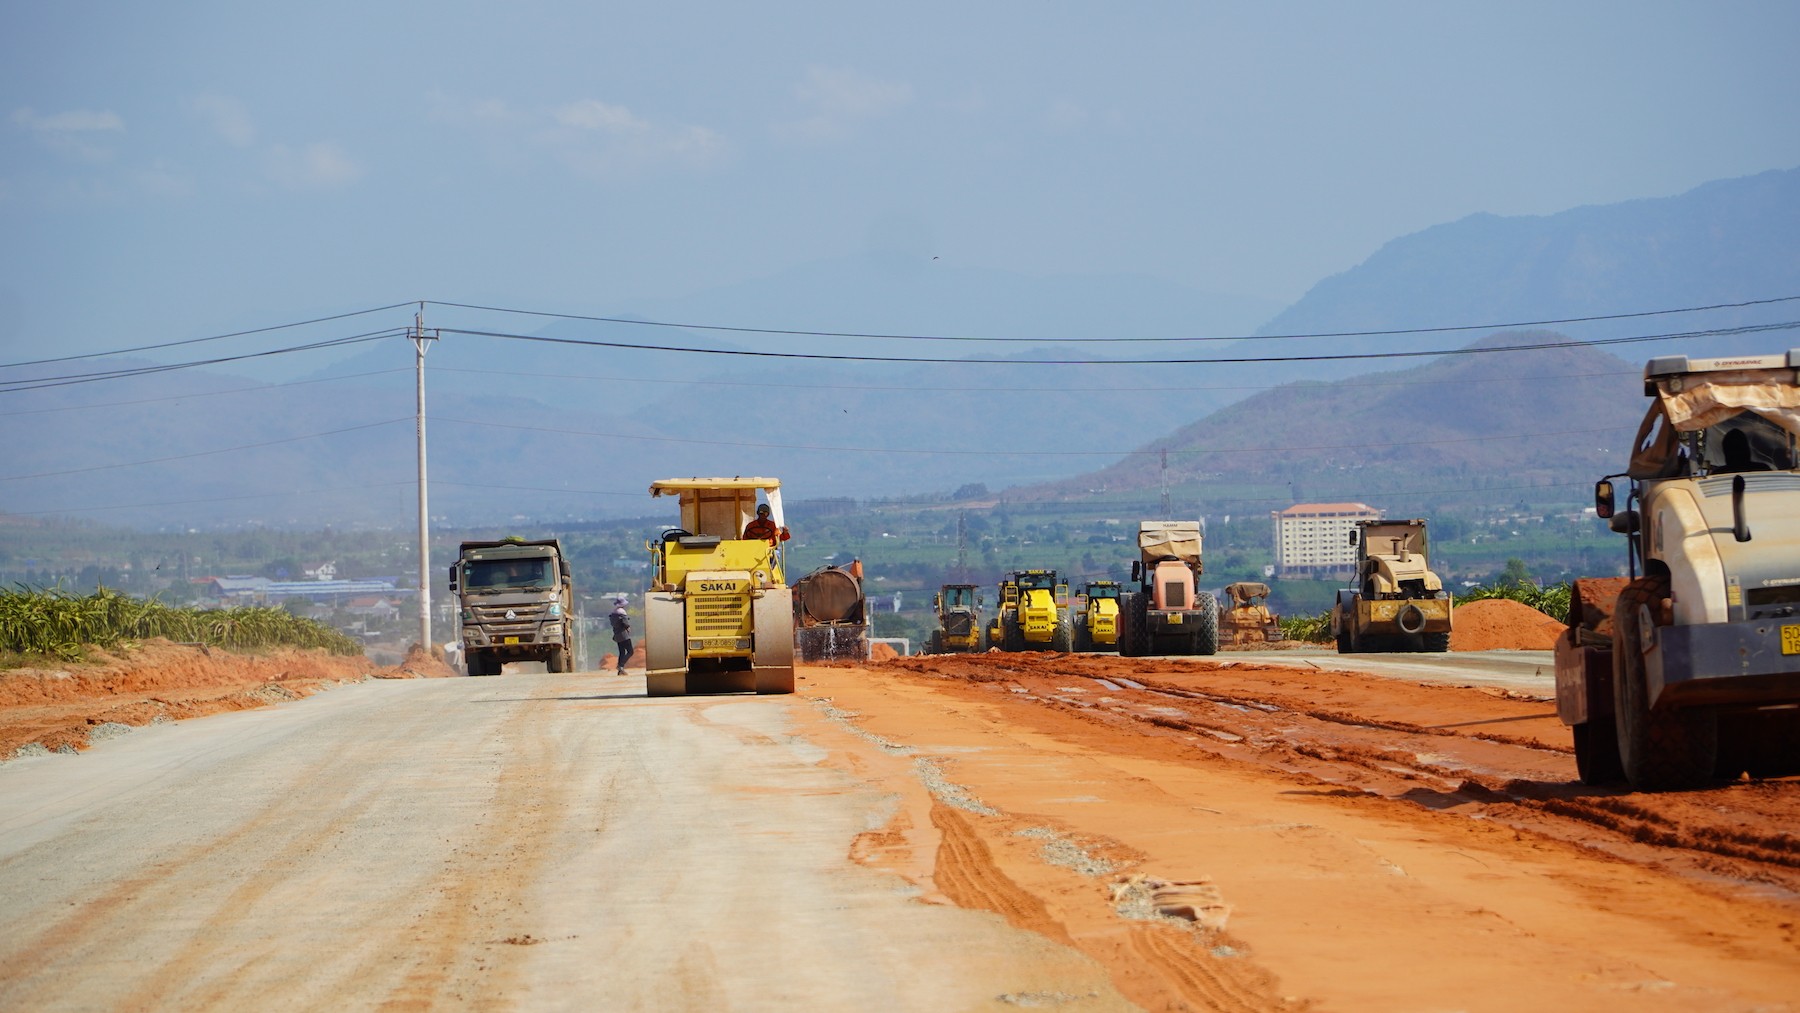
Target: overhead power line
[258,389]
[39,383]
[1159,361]
[286,493]
[214,337]
[792,332]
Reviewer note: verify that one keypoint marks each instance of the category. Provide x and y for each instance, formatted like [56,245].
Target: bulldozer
[1248,622]
[831,620]
[1397,603]
[1034,613]
[1688,668]
[718,615]
[1097,617]
[959,630]
[1166,613]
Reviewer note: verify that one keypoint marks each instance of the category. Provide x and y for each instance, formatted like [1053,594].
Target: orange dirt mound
[882,652]
[1501,624]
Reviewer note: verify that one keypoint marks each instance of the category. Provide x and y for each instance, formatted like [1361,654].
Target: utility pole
[419,340]
[1165,480]
[962,546]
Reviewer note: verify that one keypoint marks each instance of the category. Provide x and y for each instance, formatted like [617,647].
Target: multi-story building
[1312,540]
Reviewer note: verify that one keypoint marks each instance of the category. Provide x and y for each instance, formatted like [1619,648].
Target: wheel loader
[959,630]
[1167,613]
[1688,668]
[1396,602]
[718,616]
[1034,613]
[1097,617]
[1248,622]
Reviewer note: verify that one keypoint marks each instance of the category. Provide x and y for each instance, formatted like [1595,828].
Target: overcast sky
[170,170]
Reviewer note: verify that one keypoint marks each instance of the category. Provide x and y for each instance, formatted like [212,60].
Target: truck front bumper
[1755,663]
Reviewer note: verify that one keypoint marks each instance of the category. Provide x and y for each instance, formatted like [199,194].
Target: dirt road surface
[993,832]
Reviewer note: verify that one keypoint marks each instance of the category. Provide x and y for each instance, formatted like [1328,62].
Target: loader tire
[934,644]
[1206,632]
[1063,639]
[1660,749]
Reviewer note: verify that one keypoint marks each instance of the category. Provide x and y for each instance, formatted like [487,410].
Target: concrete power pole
[419,340]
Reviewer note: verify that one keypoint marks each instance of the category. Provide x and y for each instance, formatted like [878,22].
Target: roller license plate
[1790,639]
[718,644]
[1174,619]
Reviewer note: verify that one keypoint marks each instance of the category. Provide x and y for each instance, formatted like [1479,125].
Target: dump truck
[1167,613]
[1248,622]
[1034,613]
[718,615]
[1396,602]
[516,603]
[831,615]
[1688,668]
[958,631]
[1097,617]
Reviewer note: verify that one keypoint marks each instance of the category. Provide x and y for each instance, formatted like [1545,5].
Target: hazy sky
[170,170]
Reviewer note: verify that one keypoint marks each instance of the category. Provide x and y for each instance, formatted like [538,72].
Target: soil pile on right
[1501,624]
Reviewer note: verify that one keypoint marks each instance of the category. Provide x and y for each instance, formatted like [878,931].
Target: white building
[1312,540]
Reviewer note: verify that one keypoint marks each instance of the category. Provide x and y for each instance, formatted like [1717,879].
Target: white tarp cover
[1180,539]
[1707,400]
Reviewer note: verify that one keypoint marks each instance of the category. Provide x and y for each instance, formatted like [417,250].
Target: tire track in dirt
[967,874]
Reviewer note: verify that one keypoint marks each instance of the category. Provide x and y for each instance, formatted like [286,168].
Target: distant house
[235,589]
[375,607]
[322,571]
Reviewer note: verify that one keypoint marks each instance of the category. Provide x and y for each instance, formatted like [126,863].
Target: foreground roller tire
[1597,753]
[1661,749]
[1063,640]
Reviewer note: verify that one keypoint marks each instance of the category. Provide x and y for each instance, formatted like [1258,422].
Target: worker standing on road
[765,528]
[621,632]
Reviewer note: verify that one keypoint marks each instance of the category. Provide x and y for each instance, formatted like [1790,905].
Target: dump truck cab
[515,602]
[1034,613]
[1096,619]
[959,631]
[1395,601]
[718,615]
[1691,669]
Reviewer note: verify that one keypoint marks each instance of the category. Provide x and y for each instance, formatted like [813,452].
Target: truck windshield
[508,574]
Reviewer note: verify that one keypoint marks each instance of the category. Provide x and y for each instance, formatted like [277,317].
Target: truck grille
[525,622]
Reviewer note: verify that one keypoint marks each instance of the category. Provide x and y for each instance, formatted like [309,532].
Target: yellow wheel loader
[1097,617]
[1689,669]
[718,616]
[1397,602]
[1248,622]
[959,621]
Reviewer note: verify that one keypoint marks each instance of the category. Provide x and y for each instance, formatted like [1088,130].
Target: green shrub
[54,622]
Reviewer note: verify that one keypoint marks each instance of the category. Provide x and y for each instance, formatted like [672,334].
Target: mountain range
[523,428]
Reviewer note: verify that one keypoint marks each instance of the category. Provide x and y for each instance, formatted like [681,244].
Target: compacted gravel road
[990,832]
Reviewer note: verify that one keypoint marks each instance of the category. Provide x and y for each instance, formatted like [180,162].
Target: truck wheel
[1437,643]
[1597,753]
[558,662]
[1664,748]
[1063,640]
[1206,632]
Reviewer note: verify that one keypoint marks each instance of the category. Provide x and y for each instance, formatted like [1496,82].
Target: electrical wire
[208,393]
[1240,337]
[215,499]
[206,453]
[1160,361]
[989,389]
[40,383]
[215,337]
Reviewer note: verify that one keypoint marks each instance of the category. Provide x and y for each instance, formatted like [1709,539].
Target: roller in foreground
[1689,668]
[718,616]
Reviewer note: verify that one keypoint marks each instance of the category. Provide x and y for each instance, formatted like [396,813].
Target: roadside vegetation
[53,622]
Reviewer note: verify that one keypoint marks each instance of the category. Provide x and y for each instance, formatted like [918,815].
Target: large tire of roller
[1597,753]
[1206,632]
[1063,639]
[1664,748]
